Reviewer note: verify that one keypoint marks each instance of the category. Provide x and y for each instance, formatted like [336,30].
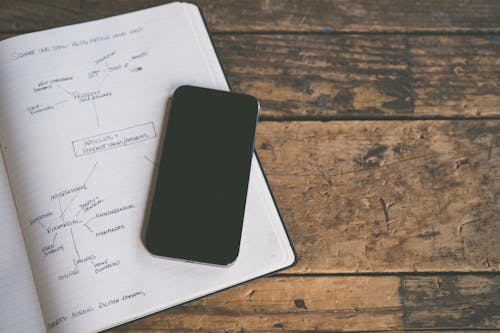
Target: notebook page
[19,307]
[84,110]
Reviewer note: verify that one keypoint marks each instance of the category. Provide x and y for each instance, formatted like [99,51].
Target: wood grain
[455,76]
[451,302]
[301,304]
[311,76]
[273,15]
[398,196]
[338,303]
[365,76]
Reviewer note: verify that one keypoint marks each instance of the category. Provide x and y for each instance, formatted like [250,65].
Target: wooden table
[379,133]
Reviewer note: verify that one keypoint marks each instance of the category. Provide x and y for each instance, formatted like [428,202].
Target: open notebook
[81,111]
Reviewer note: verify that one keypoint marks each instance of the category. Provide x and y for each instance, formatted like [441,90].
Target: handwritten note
[20,54]
[115,139]
[83,107]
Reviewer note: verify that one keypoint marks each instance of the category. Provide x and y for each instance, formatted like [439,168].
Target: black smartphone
[199,200]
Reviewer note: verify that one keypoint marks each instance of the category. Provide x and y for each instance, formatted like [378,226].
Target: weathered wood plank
[451,302]
[300,304]
[25,16]
[328,15]
[359,76]
[274,15]
[335,303]
[458,75]
[398,196]
[321,76]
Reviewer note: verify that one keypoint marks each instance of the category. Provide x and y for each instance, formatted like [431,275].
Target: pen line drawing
[76,194]
[96,114]
[39,222]
[60,208]
[85,224]
[66,91]
[74,243]
[151,161]
[88,90]
[61,102]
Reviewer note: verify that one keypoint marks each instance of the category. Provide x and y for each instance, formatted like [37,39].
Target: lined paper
[19,307]
[83,114]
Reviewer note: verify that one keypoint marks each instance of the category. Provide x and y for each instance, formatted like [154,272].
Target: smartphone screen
[199,200]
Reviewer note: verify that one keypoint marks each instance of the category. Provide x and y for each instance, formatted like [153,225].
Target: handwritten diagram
[88,88]
[78,215]
[76,218]
[115,139]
